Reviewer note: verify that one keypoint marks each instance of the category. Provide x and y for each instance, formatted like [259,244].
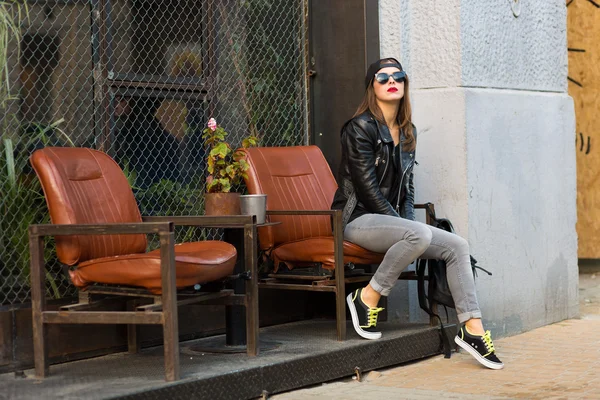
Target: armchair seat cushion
[196,262]
[320,249]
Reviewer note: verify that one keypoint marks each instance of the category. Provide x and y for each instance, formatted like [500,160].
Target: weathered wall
[527,52]
[495,146]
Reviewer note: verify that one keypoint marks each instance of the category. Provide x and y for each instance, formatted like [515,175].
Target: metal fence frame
[261,23]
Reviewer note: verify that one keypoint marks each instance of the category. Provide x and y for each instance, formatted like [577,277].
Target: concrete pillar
[495,124]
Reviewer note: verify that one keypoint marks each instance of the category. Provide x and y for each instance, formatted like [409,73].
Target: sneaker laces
[487,339]
[373,313]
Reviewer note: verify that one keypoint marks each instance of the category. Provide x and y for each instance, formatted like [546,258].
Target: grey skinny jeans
[403,241]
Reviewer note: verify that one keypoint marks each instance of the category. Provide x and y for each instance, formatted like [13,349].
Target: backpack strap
[421,266]
[475,267]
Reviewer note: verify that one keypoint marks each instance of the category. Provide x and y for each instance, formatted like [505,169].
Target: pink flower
[212,124]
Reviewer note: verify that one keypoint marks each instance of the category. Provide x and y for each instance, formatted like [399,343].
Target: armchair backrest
[293,178]
[85,186]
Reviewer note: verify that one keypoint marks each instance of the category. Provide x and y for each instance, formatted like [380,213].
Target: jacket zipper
[384,168]
[401,184]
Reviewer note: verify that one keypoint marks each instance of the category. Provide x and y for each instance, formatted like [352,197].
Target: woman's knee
[457,250]
[461,244]
[419,237]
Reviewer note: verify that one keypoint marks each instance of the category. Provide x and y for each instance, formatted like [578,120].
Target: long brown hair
[404,116]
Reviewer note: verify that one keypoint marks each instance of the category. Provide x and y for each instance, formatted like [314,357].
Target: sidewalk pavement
[559,361]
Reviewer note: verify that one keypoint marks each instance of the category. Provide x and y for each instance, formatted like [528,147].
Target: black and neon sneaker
[480,347]
[364,318]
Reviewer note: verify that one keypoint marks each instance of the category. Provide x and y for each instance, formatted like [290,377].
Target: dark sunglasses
[382,77]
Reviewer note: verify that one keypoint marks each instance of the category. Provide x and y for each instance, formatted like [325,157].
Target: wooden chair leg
[38,305]
[133,331]
[169,300]
[252,327]
[340,284]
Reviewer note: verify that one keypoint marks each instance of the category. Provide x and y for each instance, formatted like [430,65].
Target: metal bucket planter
[254,204]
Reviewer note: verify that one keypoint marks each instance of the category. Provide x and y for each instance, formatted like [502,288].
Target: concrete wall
[496,147]
[501,51]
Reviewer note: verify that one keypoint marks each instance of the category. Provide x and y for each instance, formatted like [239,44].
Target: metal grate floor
[292,355]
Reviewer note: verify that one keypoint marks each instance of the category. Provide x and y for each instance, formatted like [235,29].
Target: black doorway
[344,39]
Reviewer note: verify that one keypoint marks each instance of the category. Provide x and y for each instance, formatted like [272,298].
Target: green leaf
[225,185]
[244,166]
[220,150]
[211,185]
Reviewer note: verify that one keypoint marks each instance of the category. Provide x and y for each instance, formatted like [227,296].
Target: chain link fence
[139,79]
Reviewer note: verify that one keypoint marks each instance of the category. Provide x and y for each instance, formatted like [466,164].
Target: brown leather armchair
[100,234]
[300,187]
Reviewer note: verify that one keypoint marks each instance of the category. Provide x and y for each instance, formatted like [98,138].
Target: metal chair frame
[162,310]
[336,286]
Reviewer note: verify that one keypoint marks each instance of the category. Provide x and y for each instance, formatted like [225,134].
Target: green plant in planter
[226,166]
[22,204]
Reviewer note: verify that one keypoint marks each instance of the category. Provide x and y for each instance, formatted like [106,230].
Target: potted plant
[226,167]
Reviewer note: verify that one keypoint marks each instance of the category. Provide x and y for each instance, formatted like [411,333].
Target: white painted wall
[495,146]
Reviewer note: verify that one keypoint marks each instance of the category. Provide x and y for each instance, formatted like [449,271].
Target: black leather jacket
[368,180]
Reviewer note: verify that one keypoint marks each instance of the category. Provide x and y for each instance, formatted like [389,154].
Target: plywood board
[583,31]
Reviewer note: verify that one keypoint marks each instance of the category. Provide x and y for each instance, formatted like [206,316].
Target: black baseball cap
[377,65]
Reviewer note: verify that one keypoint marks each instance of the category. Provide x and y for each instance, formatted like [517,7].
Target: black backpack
[438,291]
